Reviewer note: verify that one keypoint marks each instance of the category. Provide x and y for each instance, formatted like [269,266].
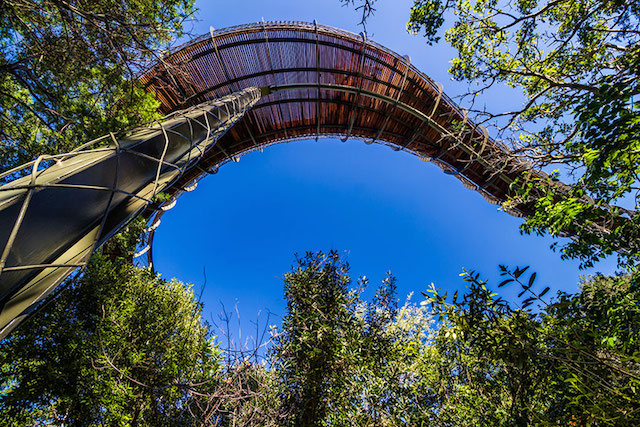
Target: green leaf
[504,282]
[519,272]
[531,280]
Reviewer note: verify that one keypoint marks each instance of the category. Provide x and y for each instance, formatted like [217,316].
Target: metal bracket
[354,105]
[266,42]
[397,100]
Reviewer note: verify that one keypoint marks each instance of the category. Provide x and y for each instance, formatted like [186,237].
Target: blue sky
[384,210]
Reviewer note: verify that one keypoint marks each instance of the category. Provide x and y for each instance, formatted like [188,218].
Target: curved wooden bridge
[325,82]
[228,93]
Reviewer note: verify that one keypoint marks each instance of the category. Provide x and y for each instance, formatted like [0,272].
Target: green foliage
[122,346]
[341,360]
[119,346]
[573,363]
[68,69]
[311,346]
[568,360]
[490,367]
[576,63]
[597,334]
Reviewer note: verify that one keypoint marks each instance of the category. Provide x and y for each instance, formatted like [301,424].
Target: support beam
[222,63]
[354,106]
[53,219]
[266,42]
[318,71]
[397,100]
[407,108]
[315,24]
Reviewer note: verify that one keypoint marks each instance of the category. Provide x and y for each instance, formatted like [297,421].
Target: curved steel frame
[315,81]
[325,80]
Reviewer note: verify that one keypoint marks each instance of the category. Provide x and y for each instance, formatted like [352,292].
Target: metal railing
[67,205]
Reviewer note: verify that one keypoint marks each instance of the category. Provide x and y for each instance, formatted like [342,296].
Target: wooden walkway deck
[324,82]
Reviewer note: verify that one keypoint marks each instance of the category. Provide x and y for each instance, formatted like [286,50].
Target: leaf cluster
[340,360]
[68,70]
[576,65]
[572,361]
[119,346]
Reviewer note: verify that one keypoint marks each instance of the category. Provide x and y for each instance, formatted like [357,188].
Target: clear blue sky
[385,210]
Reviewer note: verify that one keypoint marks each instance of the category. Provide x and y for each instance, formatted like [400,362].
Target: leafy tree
[343,361]
[573,363]
[394,385]
[489,367]
[119,346]
[310,350]
[597,332]
[577,66]
[572,360]
[68,69]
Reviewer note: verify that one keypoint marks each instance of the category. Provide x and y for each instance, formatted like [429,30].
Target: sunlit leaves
[68,70]
[120,345]
[573,358]
[577,65]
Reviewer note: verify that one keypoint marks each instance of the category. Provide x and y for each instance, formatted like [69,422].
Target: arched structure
[243,88]
[327,82]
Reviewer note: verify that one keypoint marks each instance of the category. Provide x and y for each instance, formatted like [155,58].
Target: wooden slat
[280,53]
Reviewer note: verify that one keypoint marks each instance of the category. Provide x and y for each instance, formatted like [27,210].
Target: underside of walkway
[326,82]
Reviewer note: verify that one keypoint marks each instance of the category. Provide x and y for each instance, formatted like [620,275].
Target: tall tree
[310,347]
[119,346]
[572,361]
[68,69]
[568,360]
[341,360]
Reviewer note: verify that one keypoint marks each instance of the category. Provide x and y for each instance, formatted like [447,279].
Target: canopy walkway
[228,93]
[328,83]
